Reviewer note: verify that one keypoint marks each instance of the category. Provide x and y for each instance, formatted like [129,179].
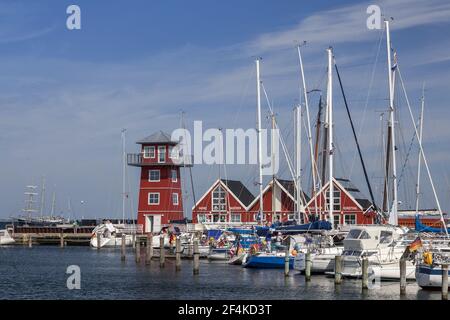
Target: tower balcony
[138,160]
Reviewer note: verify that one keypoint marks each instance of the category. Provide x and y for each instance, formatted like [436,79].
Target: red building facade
[350,206]
[160,195]
[229,201]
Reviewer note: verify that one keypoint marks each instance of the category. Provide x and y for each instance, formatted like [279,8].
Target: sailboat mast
[308,119]
[298,159]
[273,165]
[393,216]
[420,154]
[330,134]
[258,99]
[124,160]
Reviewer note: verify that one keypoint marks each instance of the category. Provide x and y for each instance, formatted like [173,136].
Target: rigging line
[356,140]
[423,153]
[243,95]
[319,181]
[407,157]
[366,104]
[283,145]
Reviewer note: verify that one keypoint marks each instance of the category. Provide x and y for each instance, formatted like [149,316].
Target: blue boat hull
[267,262]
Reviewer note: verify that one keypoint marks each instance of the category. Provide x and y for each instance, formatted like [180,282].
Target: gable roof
[355,193]
[159,137]
[289,186]
[236,188]
[240,191]
[350,189]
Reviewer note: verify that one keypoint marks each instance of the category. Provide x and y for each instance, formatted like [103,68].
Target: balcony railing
[137,160]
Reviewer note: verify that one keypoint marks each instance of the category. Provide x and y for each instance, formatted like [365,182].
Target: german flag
[415,245]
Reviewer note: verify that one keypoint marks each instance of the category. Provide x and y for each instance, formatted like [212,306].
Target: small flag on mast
[394,67]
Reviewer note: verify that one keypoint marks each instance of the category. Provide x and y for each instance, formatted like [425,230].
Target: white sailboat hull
[429,276]
[384,271]
[321,262]
[5,238]
[111,241]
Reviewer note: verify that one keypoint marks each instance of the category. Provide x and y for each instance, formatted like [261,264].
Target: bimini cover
[214,234]
[316,225]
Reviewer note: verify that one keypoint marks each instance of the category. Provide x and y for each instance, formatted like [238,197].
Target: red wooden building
[350,205]
[278,202]
[160,194]
[225,201]
[229,201]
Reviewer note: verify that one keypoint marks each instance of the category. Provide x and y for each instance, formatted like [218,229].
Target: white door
[153,223]
[157,223]
[148,224]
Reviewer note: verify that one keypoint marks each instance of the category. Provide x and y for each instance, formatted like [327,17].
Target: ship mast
[330,134]
[308,119]
[393,215]
[124,161]
[258,99]
[420,154]
[298,158]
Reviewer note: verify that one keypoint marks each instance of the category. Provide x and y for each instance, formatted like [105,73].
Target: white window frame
[173,152]
[291,216]
[201,218]
[150,175]
[350,215]
[160,153]
[336,215]
[175,203]
[154,193]
[224,204]
[234,215]
[336,198]
[149,152]
[176,175]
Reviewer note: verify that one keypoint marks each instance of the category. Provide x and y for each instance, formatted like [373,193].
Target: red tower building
[160,193]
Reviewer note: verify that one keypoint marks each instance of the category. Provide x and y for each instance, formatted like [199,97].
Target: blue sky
[65,95]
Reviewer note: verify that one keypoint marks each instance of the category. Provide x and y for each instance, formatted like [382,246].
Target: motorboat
[382,245]
[111,235]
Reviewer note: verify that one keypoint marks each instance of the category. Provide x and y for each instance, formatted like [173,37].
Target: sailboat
[5,237]
[111,234]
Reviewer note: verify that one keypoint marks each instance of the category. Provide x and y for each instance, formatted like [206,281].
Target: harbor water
[40,273]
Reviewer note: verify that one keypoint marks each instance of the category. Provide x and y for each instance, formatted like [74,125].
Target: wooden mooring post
[61,240]
[149,249]
[402,277]
[338,270]
[133,239]
[365,274]
[123,248]
[138,249]
[30,241]
[162,253]
[178,254]
[286,262]
[308,264]
[196,258]
[445,282]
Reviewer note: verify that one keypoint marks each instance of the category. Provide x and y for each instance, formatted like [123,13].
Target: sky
[65,95]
